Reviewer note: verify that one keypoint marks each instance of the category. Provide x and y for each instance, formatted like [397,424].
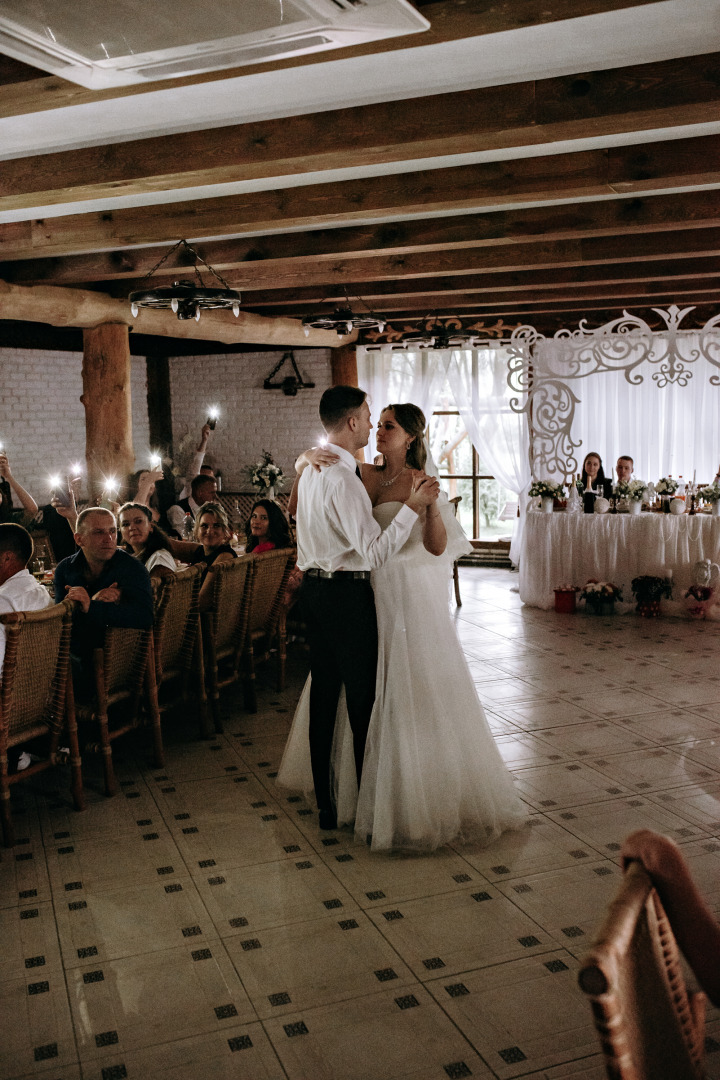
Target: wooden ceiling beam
[650,213]
[558,177]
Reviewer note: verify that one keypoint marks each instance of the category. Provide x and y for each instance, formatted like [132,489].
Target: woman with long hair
[267,527]
[144,539]
[431,772]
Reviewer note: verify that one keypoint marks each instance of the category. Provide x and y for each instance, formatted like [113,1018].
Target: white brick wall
[251,419]
[42,422]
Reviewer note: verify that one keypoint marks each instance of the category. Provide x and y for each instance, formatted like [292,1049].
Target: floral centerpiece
[546,490]
[648,591]
[265,475]
[600,596]
[711,493]
[666,486]
[634,490]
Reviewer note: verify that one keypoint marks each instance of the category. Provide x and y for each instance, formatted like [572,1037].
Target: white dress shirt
[21,592]
[335,526]
[176,515]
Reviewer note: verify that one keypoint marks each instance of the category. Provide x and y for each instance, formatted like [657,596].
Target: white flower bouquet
[546,490]
[265,474]
[634,490]
[711,493]
[666,486]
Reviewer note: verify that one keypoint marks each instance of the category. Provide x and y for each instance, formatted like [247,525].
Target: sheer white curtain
[399,376]
[672,429]
[478,380]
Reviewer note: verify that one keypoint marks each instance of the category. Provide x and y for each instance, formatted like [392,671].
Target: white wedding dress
[432,772]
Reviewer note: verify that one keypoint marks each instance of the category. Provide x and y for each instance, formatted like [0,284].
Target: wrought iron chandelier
[186,298]
[440,334]
[343,319]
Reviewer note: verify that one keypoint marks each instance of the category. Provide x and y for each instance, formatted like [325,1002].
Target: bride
[432,772]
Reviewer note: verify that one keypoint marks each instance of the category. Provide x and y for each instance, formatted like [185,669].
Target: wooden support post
[106,397]
[343,366]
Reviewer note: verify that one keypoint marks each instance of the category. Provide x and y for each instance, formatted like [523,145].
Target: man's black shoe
[328,819]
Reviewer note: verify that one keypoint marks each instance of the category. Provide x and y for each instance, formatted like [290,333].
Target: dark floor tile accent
[409,1001]
[181,817]
[330,841]
[378,894]
[190,830]
[38,988]
[391,916]
[578,853]
[684,832]
[224,1012]
[107,1038]
[460,878]
[480,896]
[304,812]
[711,1045]
[166,869]
[572,931]
[29,913]
[216,880]
[144,821]
[533,821]
[346,857]
[251,943]
[556,965]
[93,977]
[574,768]
[512,1055]
[348,924]
[385,974]
[306,865]
[231,768]
[161,779]
[77,905]
[257,805]
[294,798]
[65,850]
[548,802]
[269,817]
[167,790]
[240,1042]
[522,888]
[289,848]
[114,1072]
[34,961]
[298,1028]
[132,794]
[201,954]
[614,790]
[239,920]
[271,775]
[263,764]
[568,816]
[457,990]
[175,887]
[240,780]
[457,1070]
[61,835]
[330,904]
[191,931]
[151,836]
[205,863]
[44,1053]
[279,999]
[71,885]
[500,869]
[90,950]
[433,963]
[529,941]
[711,847]
[613,847]
[602,871]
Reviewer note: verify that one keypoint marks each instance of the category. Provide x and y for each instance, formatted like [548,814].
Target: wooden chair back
[36,695]
[650,1027]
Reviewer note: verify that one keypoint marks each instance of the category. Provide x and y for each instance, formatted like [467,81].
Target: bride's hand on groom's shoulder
[318,457]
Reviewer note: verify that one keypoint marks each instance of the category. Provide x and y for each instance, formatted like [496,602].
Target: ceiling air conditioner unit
[134,41]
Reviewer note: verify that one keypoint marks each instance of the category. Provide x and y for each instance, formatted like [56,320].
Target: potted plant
[648,591]
[547,492]
[265,475]
[600,597]
[711,494]
[666,488]
[634,492]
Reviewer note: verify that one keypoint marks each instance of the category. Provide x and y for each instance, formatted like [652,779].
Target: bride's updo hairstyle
[411,420]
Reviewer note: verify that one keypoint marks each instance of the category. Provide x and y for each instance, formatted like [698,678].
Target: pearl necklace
[387,483]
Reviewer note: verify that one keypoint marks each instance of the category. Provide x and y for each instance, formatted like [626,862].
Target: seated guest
[691,919]
[624,468]
[593,475]
[267,527]
[203,489]
[144,539]
[213,531]
[19,591]
[10,486]
[111,589]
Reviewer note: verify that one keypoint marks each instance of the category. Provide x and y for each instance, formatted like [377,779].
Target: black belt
[329,575]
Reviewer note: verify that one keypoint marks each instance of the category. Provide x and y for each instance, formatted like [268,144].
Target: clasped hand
[109,595]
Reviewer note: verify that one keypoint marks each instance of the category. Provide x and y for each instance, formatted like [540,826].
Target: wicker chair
[266,615]
[124,670]
[224,628]
[178,643]
[650,1028]
[36,697]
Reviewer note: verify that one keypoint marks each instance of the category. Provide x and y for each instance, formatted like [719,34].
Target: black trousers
[342,634]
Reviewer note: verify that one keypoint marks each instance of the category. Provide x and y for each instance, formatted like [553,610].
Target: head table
[564,548]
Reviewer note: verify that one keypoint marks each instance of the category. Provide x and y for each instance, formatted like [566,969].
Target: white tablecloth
[562,548]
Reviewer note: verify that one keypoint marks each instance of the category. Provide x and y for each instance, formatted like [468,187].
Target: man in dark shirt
[111,589]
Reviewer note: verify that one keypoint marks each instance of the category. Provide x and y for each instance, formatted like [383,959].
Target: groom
[339,542]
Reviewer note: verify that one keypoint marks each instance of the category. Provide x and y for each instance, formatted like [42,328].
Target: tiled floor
[200,926]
